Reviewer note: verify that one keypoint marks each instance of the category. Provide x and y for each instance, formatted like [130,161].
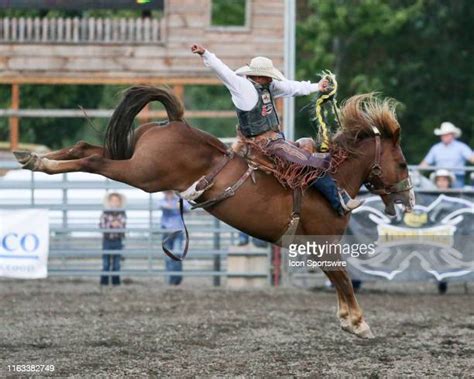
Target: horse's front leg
[349,312]
[343,312]
[80,150]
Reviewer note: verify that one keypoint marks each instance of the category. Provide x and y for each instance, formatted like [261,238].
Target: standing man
[253,89]
[449,152]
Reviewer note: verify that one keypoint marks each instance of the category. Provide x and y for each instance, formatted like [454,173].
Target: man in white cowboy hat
[253,89]
[449,152]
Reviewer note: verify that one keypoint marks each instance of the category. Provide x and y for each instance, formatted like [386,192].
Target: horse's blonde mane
[361,112]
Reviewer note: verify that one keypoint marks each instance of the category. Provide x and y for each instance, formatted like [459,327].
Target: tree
[419,52]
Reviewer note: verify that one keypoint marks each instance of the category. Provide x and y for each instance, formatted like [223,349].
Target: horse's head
[370,120]
[388,174]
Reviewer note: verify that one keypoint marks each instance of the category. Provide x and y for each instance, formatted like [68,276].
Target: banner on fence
[435,241]
[24,243]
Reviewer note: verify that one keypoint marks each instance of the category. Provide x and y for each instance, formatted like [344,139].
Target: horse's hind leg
[349,312]
[137,173]
[80,150]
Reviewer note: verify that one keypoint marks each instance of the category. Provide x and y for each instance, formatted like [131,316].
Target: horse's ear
[396,136]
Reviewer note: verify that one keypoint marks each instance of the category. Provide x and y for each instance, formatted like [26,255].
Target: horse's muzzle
[404,198]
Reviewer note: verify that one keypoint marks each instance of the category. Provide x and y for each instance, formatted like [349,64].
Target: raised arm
[243,93]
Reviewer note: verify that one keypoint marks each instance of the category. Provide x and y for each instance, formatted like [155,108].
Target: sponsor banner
[24,243]
[435,241]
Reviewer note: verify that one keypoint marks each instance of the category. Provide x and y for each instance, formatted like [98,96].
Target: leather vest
[261,118]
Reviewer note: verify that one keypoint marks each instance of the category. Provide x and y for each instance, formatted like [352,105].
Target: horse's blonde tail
[119,133]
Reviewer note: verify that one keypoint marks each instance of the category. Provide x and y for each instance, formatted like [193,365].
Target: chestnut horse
[172,156]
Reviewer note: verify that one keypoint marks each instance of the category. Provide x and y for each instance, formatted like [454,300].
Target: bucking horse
[172,155]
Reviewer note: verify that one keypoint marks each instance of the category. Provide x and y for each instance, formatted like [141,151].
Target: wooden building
[151,50]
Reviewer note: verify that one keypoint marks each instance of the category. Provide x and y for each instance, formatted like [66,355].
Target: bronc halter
[374,182]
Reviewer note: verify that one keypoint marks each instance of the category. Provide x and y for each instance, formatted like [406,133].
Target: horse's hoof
[22,156]
[363,331]
[28,161]
[346,325]
[31,164]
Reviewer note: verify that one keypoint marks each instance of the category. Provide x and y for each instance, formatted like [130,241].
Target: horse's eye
[403,165]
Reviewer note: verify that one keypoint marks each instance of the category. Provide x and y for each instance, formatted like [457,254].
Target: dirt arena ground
[145,328]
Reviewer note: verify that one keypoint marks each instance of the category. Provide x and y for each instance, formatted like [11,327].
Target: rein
[374,181]
[320,116]
[167,251]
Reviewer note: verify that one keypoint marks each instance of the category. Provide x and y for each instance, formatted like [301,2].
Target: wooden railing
[80,30]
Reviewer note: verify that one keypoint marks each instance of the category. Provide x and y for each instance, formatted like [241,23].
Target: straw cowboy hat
[442,172]
[260,66]
[447,128]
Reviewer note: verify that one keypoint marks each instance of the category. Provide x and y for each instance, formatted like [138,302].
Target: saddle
[295,164]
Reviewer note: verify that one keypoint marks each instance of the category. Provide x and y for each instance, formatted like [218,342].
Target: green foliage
[53,132]
[419,52]
[228,13]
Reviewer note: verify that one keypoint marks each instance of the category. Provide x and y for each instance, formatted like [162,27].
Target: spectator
[449,152]
[171,220]
[443,179]
[113,217]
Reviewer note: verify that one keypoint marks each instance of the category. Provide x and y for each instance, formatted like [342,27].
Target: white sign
[24,243]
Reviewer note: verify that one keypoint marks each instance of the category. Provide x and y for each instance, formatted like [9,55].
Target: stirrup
[348,204]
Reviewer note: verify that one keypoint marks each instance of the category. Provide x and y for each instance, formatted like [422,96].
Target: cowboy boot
[348,204]
[337,197]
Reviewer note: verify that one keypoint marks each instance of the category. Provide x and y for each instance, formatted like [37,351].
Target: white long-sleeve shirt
[244,94]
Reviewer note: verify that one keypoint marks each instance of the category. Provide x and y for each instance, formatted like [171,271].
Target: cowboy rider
[253,89]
